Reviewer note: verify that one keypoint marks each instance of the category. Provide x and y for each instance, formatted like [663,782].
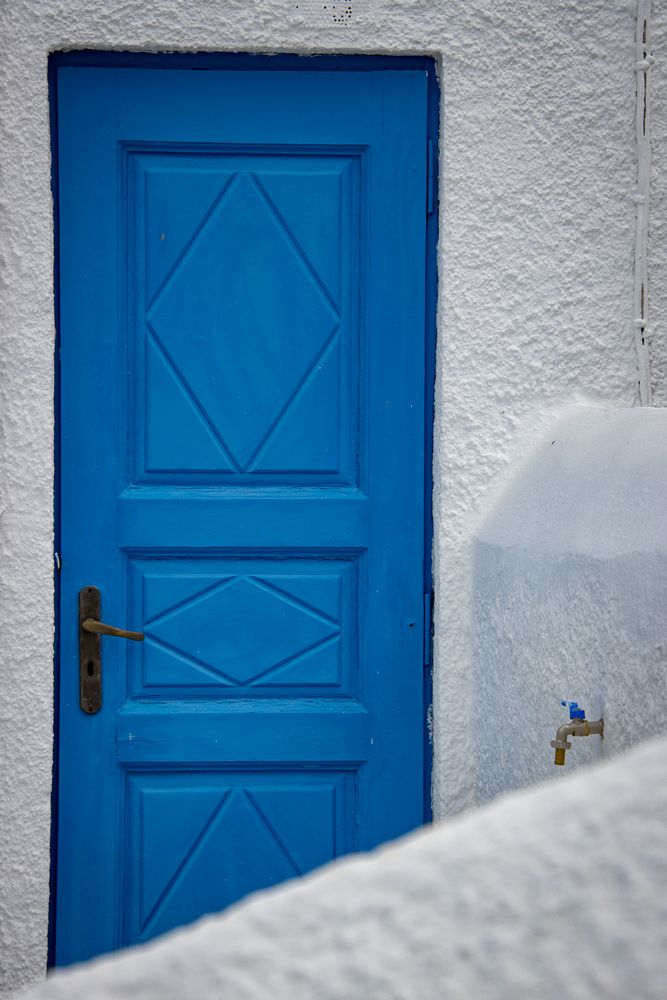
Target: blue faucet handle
[575,711]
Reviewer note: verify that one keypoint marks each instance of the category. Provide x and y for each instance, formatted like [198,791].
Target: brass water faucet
[577,726]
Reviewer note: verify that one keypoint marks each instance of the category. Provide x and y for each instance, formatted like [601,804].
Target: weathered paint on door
[242,283]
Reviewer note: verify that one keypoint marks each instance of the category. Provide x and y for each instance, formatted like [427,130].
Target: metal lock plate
[90,661]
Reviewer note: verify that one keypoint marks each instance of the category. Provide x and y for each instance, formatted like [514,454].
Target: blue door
[242,302]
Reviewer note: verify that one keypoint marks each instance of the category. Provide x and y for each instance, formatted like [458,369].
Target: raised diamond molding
[242,629]
[243,319]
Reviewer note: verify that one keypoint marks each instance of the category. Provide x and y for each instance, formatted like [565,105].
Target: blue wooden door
[242,283]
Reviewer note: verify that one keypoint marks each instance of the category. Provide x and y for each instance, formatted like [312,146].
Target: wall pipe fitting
[578,725]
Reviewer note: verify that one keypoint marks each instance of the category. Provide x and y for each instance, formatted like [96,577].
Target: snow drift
[554,892]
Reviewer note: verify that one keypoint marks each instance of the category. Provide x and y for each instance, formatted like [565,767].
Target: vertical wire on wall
[643,64]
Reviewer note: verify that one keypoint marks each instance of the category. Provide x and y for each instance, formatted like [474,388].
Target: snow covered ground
[557,892]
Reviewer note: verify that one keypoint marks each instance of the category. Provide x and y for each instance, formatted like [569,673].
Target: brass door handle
[92,625]
[91,630]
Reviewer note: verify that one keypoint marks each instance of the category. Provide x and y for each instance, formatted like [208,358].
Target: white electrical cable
[644,62]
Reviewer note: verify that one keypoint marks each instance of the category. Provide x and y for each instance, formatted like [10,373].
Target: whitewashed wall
[535,263]
[570,597]
[658,211]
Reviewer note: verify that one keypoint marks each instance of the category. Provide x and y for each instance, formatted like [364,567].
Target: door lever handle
[92,625]
[91,630]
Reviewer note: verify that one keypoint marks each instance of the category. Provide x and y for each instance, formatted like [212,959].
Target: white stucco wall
[569,597]
[535,263]
[657,258]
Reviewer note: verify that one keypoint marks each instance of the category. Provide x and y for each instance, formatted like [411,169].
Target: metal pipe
[575,727]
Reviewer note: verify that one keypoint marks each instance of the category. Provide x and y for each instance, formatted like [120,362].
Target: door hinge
[428,627]
[430,176]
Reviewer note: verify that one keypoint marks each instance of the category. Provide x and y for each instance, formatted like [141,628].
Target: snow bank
[556,892]
[570,596]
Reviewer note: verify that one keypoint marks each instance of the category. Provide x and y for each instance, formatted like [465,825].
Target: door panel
[242,264]
[245,627]
[277,236]
[251,829]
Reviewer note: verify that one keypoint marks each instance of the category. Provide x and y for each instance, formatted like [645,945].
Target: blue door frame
[240,62]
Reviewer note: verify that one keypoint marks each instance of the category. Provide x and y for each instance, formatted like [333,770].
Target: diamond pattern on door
[243,318]
[240,630]
[222,838]
[247,318]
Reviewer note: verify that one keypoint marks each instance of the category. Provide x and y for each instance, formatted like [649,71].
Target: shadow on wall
[570,597]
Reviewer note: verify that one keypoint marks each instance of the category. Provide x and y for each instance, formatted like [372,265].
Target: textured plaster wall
[569,597]
[657,258]
[535,262]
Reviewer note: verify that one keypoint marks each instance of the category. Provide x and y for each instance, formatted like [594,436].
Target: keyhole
[91,668]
